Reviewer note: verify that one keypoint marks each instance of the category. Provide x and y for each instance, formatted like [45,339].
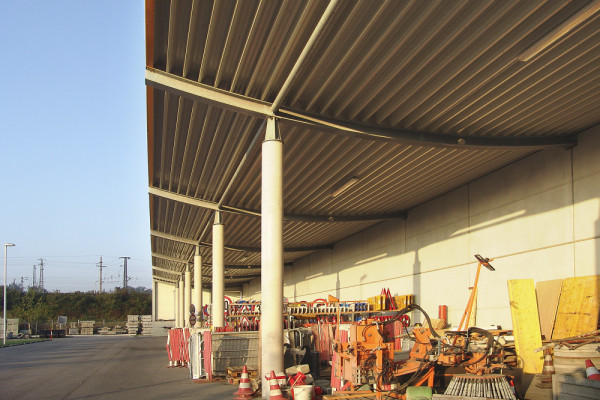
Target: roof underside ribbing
[411,98]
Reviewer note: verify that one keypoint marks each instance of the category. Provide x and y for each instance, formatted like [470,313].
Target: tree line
[35,305]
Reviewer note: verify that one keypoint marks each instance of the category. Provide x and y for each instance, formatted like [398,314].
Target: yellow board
[526,325]
[578,307]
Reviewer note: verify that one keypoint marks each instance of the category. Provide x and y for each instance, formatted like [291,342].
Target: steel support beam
[205,93]
[197,91]
[168,271]
[165,280]
[256,213]
[183,199]
[226,246]
[173,259]
[173,237]
[419,138]
[287,249]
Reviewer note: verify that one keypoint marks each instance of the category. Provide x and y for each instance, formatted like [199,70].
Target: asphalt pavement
[113,367]
[99,367]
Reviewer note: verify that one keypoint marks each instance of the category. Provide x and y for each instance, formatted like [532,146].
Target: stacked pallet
[87,327]
[234,374]
[118,329]
[73,328]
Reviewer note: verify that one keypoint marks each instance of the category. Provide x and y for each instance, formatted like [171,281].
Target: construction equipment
[369,357]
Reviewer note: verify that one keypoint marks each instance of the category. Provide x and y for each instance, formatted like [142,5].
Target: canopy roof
[383,105]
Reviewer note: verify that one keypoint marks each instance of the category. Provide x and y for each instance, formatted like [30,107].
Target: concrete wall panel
[586,258]
[529,223]
[526,178]
[586,153]
[165,307]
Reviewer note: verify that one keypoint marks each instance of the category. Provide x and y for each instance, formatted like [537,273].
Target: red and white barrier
[178,347]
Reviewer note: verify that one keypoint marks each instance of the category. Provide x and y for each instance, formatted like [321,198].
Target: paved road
[99,367]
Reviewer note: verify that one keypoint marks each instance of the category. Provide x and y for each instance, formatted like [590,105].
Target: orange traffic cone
[274,389]
[244,391]
[547,371]
[591,371]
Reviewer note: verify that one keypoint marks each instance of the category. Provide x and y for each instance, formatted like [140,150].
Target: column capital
[272,131]
[218,219]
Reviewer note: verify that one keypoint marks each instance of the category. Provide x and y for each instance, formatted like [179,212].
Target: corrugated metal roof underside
[432,66]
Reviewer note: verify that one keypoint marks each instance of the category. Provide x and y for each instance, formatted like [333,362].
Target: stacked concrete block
[12,328]
[146,325]
[87,327]
[132,324]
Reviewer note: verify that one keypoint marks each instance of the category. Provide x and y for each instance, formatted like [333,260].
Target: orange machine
[369,356]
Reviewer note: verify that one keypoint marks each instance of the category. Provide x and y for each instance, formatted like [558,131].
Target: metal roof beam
[246,105]
[168,271]
[173,237]
[256,213]
[165,280]
[205,93]
[182,198]
[229,247]
[419,138]
[172,259]
[258,250]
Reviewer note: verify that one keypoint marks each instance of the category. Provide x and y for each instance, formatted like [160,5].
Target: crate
[376,303]
[404,301]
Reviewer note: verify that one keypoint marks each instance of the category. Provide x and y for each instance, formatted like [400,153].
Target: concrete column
[271,279]
[154,298]
[177,312]
[218,288]
[197,295]
[181,303]
[187,299]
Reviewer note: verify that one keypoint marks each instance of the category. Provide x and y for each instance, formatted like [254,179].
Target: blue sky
[73,152]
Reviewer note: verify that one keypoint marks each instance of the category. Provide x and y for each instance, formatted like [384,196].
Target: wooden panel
[578,307]
[526,325]
[548,293]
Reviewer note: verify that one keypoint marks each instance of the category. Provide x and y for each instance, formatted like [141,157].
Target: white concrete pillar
[271,280]
[154,298]
[177,312]
[218,285]
[187,299]
[197,295]
[181,303]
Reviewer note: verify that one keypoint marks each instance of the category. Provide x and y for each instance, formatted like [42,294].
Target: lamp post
[4,315]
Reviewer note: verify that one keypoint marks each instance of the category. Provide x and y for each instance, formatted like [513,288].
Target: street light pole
[4,314]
